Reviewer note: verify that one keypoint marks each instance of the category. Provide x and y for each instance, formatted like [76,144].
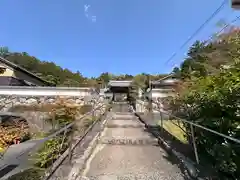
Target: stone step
[127,133]
[125,117]
[128,141]
[128,136]
[132,162]
[125,124]
[124,113]
[140,176]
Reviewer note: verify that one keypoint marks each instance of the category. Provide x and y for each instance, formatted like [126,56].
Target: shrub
[29,174]
[13,129]
[50,151]
[64,114]
[214,102]
[85,109]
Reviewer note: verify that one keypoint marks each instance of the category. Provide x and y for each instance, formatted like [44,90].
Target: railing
[60,142]
[177,131]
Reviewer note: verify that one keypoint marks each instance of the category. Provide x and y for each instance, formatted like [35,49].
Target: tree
[210,97]
[140,81]
[4,51]
[104,77]
[177,73]
[49,71]
[25,54]
[206,58]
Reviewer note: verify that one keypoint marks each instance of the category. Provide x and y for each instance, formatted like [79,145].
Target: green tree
[210,97]
[105,77]
[46,70]
[25,54]
[176,71]
[4,51]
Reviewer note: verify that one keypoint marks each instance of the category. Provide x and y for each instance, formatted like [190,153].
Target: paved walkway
[127,151]
[17,155]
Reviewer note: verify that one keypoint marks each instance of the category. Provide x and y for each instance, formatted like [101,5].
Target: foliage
[49,71]
[122,77]
[54,147]
[29,174]
[104,78]
[88,121]
[4,51]
[141,81]
[50,151]
[176,129]
[13,130]
[58,76]
[132,95]
[206,58]
[85,108]
[63,113]
[209,95]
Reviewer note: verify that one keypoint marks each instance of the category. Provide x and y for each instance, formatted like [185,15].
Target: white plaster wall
[160,93]
[44,91]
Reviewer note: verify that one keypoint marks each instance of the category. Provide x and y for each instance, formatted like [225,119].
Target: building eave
[18,68]
[119,83]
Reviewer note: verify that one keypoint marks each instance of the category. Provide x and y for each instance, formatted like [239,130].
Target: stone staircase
[127,151]
[119,123]
[126,130]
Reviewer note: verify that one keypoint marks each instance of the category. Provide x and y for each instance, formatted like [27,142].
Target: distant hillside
[59,76]
[49,71]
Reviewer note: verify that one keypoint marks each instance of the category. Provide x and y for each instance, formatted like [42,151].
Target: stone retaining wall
[35,118]
[8,102]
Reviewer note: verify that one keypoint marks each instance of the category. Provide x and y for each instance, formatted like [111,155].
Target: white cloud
[86,6]
[88,14]
[94,18]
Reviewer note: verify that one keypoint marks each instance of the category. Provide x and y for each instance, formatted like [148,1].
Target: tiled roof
[165,82]
[119,83]
[19,68]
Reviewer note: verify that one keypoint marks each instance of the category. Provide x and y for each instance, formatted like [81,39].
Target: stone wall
[9,102]
[37,120]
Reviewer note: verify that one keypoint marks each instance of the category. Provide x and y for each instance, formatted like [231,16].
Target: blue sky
[118,36]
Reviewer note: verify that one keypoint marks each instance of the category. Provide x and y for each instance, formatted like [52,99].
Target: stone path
[127,151]
[17,155]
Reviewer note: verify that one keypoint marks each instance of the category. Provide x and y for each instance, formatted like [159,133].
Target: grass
[29,174]
[176,129]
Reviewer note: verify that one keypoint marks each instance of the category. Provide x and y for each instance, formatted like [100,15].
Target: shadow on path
[204,171]
[172,141]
